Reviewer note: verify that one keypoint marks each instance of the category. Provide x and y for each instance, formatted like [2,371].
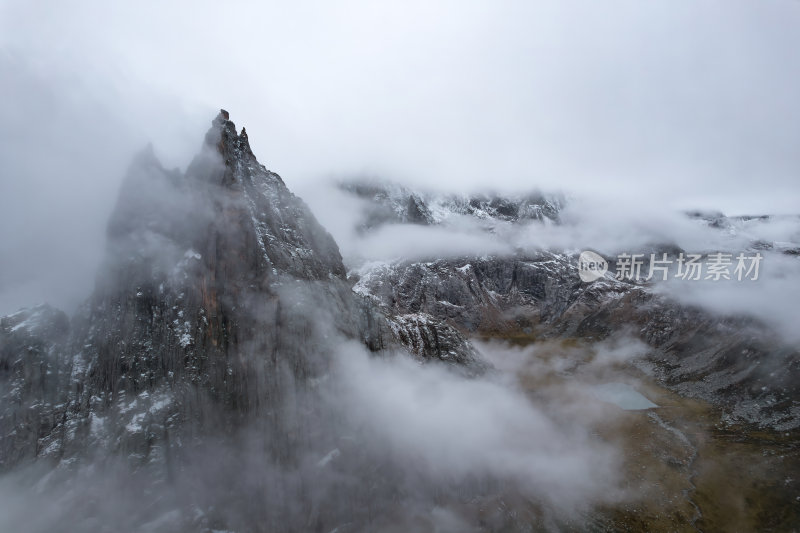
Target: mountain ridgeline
[196,390]
[215,313]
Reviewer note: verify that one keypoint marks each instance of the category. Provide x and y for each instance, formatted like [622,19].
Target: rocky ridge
[389,203]
[211,329]
[734,362]
[214,317]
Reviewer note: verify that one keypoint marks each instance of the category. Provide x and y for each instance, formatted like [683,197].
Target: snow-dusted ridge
[393,203]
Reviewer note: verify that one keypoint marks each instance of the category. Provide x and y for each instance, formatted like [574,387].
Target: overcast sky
[681,103]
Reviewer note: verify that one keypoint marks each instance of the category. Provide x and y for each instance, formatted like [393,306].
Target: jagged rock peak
[223,136]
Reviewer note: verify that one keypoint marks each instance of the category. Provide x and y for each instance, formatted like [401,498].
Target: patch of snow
[333,454]
[185,340]
[128,407]
[135,425]
[160,404]
[29,322]
[51,448]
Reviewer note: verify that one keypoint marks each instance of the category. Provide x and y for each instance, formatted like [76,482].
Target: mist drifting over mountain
[469,267]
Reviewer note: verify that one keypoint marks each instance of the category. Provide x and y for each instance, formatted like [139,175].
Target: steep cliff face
[198,384]
[31,371]
[215,300]
[214,318]
[733,362]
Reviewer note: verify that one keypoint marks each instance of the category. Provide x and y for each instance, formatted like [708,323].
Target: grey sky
[688,103]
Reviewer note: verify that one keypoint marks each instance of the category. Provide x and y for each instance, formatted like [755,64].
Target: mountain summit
[227,375]
[216,312]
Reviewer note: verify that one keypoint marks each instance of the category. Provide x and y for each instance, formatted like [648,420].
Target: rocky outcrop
[196,371]
[734,362]
[31,372]
[431,339]
[215,314]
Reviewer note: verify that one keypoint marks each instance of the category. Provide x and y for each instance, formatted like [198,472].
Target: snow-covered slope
[389,203]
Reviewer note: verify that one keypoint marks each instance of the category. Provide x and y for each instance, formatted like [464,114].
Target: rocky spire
[244,143]
[223,135]
[219,307]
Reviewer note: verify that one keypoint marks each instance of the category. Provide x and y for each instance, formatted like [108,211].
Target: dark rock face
[196,369]
[214,280]
[214,315]
[735,363]
[480,294]
[30,374]
[431,339]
